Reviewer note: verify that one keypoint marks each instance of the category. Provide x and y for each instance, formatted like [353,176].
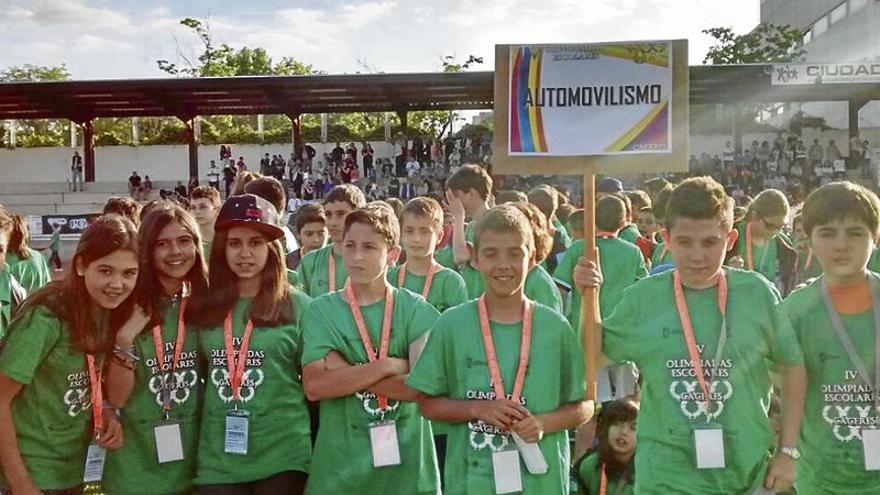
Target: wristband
[127,352]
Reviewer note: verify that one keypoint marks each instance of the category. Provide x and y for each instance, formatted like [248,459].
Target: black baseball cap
[248,210]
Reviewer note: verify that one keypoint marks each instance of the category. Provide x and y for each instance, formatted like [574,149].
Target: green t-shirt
[621,264]
[314,271]
[539,286]
[660,256]
[55,241]
[32,273]
[838,402]
[342,462]
[645,329]
[445,256]
[589,478]
[807,272]
[271,393]
[447,287]
[630,233]
[765,258]
[6,300]
[52,413]
[874,261]
[294,279]
[134,468]
[453,365]
[564,238]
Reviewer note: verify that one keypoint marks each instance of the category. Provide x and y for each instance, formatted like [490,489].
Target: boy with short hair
[835,320]
[468,192]
[322,271]
[359,344]
[622,265]
[310,226]
[473,373]
[204,204]
[703,338]
[421,230]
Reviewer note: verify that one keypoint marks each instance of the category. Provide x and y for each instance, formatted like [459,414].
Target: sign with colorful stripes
[590,99]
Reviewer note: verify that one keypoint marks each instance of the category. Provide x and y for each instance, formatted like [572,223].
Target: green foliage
[32,73]
[767,43]
[33,133]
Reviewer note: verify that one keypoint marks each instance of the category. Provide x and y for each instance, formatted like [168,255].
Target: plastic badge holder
[531,455]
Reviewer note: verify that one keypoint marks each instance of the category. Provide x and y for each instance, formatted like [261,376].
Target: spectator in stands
[180,190]
[241,165]
[367,152]
[134,185]
[76,171]
[264,164]
[228,178]
[214,176]
[147,187]
[336,154]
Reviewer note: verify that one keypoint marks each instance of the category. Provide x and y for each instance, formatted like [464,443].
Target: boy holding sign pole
[703,338]
[509,391]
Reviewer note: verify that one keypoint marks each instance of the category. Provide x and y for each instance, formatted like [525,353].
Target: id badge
[709,447]
[95,457]
[383,443]
[871,447]
[169,445]
[506,469]
[236,438]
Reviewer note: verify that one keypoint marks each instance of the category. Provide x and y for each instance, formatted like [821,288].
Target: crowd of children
[434,346]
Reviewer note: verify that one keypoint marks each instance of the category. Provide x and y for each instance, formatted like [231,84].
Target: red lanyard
[606,233]
[385,337]
[749,260]
[236,364]
[159,345]
[687,328]
[97,395]
[525,347]
[429,278]
[603,482]
[809,261]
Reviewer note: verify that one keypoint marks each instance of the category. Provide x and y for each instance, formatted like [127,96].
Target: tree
[437,123]
[767,43]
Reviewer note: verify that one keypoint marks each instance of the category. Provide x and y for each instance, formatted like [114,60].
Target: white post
[260,125]
[323,127]
[387,127]
[135,131]
[13,141]
[72,134]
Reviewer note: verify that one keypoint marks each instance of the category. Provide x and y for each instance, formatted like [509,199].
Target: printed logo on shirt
[180,382]
[370,403]
[483,435]
[78,397]
[252,378]
[685,388]
[849,407]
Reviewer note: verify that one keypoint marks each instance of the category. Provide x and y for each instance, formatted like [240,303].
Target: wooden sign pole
[590,297]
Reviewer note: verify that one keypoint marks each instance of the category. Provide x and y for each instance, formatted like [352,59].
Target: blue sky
[100,39]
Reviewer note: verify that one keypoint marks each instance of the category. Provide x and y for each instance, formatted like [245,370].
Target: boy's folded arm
[441,408]
[394,387]
[332,377]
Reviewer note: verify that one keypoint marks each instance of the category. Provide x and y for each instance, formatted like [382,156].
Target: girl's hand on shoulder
[135,324]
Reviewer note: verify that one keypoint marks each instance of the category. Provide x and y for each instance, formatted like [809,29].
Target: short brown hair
[471,177]
[425,208]
[504,219]
[700,198]
[270,189]
[540,231]
[347,193]
[768,203]
[125,207]
[546,199]
[510,196]
[205,192]
[309,213]
[396,205]
[839,200]
[639,199]
[564,212]
[20,236]
[610,213]
[242,180]
[378,216]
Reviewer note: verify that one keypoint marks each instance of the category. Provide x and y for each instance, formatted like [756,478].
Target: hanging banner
[590,99]
[619,107]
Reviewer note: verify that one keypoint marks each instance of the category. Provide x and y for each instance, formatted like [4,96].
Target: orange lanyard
[159,345]
[687,328]
[332,264]
[429,278]
[492,358]
[97,395]
[663,253]
[749,260]
[809,261]
[236,364]
[385,338]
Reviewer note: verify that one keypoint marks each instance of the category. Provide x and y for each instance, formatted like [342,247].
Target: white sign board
[590,99]
[847,73]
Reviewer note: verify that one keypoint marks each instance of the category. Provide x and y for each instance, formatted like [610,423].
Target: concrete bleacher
[51,198]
